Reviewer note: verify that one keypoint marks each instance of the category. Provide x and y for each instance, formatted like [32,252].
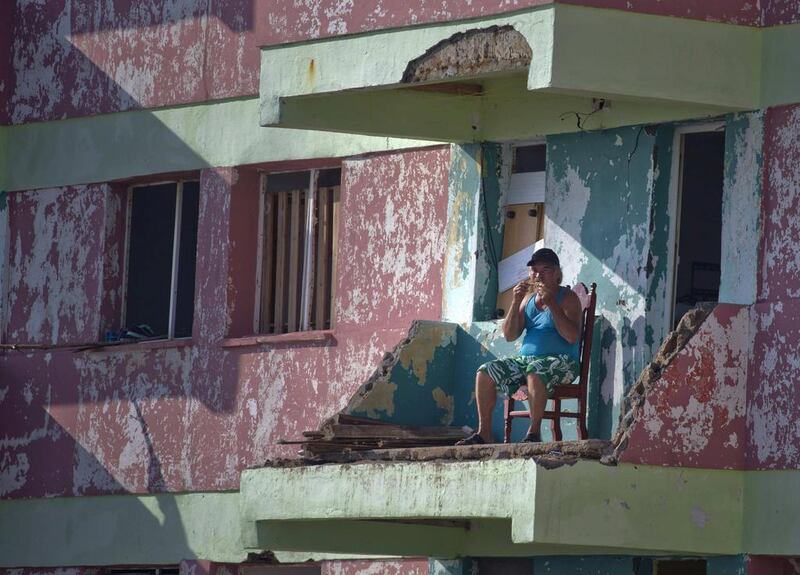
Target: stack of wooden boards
[346,433]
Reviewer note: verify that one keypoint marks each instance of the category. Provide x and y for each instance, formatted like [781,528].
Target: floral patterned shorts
[510,373]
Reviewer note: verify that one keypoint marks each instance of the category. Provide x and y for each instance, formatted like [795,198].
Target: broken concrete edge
[633,401]
[549,455]
[469,54]
[382,374]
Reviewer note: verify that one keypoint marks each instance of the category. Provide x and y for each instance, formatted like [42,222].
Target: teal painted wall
[605,216]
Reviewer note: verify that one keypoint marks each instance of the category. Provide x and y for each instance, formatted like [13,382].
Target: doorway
[696,201]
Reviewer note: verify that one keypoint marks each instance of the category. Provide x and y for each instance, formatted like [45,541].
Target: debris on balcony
[343,434]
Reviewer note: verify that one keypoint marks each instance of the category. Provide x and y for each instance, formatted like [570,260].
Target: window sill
[112,347]
[294,337]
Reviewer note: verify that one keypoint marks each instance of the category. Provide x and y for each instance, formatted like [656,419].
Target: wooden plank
[522,229]
[268,264]
[294,260]
[393,432]
[280,262]
[334,254]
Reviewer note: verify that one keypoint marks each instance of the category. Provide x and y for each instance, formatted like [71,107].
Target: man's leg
[537,401]
[486,397]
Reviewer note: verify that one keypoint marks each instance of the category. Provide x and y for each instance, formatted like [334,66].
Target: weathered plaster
[772,393]
[471,53]
[780,247]
[600,189]
[693,415]
[741,207]
[191,417]
[396,208]
[463,218]
[564,510]
[414,383]
[55,261]
[376,567]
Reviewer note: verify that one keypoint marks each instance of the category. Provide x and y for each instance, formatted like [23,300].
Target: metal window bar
[176,247]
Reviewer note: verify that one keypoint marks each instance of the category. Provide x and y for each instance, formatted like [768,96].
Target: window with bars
[161,257]
[299,236]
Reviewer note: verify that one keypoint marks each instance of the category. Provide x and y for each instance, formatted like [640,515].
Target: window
[299,230]
[162,253]
[524,217]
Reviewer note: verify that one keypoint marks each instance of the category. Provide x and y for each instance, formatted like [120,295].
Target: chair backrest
[588,301]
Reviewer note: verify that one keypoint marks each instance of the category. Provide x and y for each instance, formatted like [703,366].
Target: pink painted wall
[774,399]
[56,270]
[694,416]
[372,567]
[191,418]
[731,399]
[80,57]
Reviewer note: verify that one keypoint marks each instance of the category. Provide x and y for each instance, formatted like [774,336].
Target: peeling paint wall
[601,190]
[56,243]
[396,208]
[74,58]
[694,414]
[463,216]
[741,207]
[192,416]
[376,567]
[775,363]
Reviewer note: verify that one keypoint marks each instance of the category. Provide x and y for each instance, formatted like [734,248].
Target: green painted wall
[741,207]
[601,191]
[459,284]
[120,530]
[144,142]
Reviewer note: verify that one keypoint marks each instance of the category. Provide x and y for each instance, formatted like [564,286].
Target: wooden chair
[577,391]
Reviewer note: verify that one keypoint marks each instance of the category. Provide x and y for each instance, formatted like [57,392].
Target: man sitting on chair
[550,315]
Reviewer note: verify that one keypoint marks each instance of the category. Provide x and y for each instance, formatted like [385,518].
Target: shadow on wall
[113,520]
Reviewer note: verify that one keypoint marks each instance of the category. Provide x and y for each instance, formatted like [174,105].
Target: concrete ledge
[528,509]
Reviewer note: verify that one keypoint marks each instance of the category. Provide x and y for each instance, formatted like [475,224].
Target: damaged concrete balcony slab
[552,69]
[515,506]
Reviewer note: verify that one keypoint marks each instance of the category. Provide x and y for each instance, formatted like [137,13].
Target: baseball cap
[545,256]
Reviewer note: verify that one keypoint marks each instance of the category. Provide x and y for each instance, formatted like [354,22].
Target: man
[550,316]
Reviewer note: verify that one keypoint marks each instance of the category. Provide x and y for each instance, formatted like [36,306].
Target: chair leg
[508,407]
[583,433]
[555,424]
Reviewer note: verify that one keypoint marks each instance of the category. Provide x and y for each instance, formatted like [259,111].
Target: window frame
[176,246]
[309,257]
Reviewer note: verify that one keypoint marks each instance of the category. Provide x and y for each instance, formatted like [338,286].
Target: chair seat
[562,391]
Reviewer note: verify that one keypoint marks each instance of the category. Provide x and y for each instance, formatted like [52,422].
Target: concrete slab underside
[493,507]
[653,68]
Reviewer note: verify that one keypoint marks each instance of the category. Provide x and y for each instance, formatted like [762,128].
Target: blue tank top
[541,336]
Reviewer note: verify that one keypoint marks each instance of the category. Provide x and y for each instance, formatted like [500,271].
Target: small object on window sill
[278,338]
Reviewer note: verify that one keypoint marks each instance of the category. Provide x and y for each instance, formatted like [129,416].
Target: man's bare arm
[567,317]
[515,320]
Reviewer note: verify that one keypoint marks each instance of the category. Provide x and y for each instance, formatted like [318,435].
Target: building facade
[222,223]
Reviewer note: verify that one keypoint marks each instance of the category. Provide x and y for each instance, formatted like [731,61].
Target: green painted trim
[143,142]
[600,51]
[586,505]
[653,68]
[780,82]
[373,60]
[512,507]
[120,530]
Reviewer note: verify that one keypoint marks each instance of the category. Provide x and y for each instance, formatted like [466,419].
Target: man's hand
[547,297]
[520,290]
